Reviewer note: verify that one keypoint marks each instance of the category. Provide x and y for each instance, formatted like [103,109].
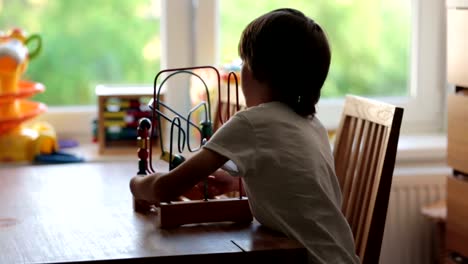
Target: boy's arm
[165,187]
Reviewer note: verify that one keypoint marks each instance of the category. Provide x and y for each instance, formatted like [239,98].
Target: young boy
[278,146]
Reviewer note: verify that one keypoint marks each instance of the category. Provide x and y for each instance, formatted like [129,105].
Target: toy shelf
[119,109]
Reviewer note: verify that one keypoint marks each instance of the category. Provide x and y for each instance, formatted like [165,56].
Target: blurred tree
[370,40]
[86,43]
[117,41]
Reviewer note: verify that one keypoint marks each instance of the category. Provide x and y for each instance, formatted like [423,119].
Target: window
[397,51]
[370,41]
[86,43]
[407,36]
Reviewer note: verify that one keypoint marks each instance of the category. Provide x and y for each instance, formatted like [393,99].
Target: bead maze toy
[185,211]
[19,142]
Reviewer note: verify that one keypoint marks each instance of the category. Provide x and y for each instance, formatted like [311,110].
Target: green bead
[206,129]
[176,161]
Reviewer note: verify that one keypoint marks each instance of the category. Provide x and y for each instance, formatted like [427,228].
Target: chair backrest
[365,150]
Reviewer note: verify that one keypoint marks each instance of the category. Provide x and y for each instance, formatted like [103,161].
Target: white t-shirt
[288,171]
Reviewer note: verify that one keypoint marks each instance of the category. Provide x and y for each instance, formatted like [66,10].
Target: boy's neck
[257,101]
[260,94]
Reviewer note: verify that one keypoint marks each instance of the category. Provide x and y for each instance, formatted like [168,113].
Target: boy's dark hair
[290,53]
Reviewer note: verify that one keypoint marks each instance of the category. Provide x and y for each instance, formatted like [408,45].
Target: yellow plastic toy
[20,142]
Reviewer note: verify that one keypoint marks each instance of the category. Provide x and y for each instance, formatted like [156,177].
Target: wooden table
[83,213]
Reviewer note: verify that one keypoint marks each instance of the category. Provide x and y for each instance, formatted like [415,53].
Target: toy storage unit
[457,131]
[119,110]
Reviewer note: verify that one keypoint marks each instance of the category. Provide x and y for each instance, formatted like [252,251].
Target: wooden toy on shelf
[184,211]
[119,109]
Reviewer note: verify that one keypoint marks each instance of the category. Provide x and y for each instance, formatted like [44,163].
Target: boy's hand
[220,182]
[142,188]
[168,186]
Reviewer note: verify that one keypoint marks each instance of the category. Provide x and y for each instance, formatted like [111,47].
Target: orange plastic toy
[19,142]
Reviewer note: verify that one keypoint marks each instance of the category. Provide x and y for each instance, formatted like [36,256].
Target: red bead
[143,154]
[143,133]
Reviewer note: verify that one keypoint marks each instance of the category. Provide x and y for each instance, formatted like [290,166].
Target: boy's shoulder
[271,112]
[280,117]
[270,109]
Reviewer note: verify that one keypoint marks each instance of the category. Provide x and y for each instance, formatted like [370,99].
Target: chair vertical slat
[340,150]
[351,175]
[373,184]
[350,162]
[356,193]
[376,150]
[345,147]
[365,171]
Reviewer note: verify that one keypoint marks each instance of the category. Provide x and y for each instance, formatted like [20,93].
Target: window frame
[190,38]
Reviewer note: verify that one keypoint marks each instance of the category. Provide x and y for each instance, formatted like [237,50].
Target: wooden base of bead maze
[142,206]
[175,214]
[179,213]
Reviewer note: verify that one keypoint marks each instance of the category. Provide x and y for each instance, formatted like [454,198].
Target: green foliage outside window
[87,42]
[370,40]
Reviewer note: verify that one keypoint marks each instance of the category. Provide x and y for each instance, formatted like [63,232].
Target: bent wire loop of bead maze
[177,213]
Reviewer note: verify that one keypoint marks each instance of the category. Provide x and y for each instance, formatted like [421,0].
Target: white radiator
[409,236]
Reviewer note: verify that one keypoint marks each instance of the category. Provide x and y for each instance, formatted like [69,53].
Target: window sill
[422,148]
[422,154]
[415,153]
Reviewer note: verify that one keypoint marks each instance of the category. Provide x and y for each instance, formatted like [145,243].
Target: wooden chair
[365,150]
